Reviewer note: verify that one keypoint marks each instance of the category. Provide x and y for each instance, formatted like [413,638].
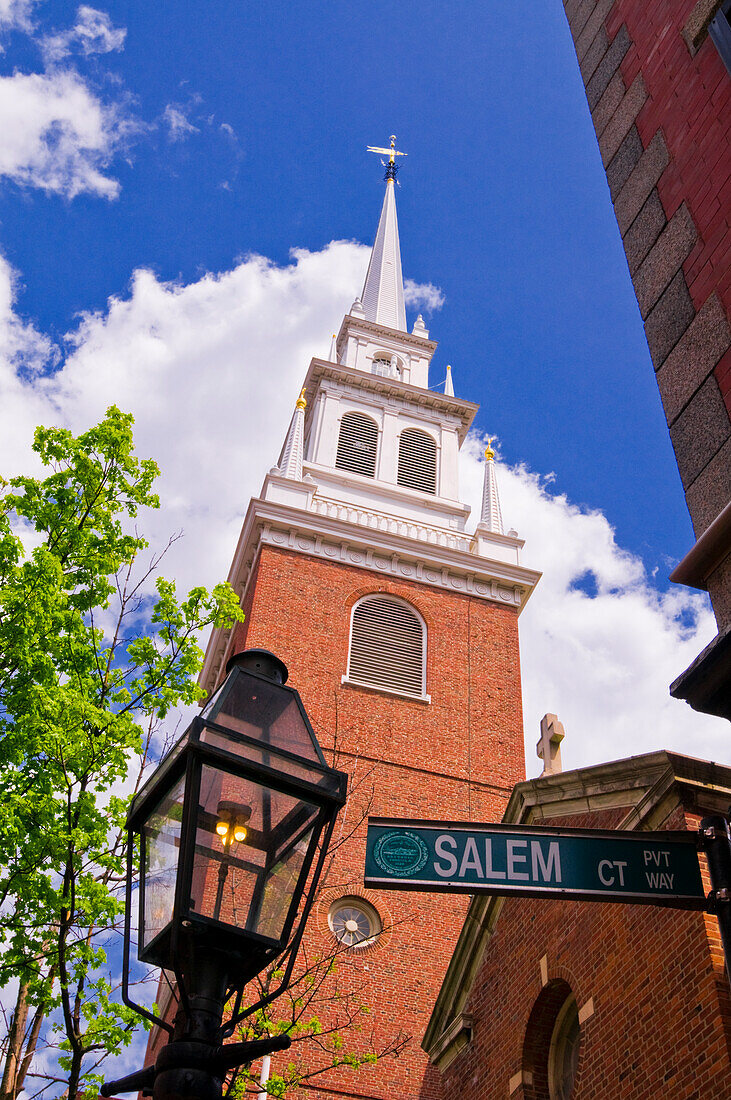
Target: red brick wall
[659,996]
[457,757]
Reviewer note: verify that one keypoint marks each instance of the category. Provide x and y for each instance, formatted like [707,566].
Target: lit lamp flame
[232,819]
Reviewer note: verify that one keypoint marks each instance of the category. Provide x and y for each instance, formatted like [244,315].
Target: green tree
[330,1025]
[92,657]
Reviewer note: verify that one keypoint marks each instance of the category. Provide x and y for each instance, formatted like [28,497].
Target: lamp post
[227,839]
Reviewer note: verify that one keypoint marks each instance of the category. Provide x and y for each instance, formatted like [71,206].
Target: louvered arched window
[388,646]
[417,461]
[357,444]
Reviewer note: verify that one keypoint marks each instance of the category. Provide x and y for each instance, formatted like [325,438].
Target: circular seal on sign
[400,853]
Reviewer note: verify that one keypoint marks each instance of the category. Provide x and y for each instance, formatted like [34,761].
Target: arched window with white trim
[388,646]
[357,444]
[417,460]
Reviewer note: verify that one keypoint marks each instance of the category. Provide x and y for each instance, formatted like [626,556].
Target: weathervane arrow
[392,152]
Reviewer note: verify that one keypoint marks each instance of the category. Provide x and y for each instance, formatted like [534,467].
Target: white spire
[449,384]
[333,357]
[491,517]
[291,462]
[383,293]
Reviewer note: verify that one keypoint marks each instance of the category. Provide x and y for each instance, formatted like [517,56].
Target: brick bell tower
[401,633]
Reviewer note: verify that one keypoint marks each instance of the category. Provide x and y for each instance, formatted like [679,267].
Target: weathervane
[392,152]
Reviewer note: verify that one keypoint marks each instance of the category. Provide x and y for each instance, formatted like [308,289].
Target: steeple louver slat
[417,461]
[387,646]
[357,444]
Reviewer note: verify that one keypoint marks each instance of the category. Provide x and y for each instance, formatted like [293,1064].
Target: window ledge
[384,690]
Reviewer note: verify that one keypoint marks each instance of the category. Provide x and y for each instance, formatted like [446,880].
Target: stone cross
[549,746]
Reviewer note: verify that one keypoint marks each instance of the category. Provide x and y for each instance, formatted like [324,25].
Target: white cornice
[463,412]
[357,326]
[379,551]
[330,477]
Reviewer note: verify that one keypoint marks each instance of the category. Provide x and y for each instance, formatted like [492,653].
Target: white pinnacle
[491,517]
[383,293]
[333,357]
[449,384]
[291,462]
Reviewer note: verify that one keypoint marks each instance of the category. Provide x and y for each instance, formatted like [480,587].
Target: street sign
[586,864]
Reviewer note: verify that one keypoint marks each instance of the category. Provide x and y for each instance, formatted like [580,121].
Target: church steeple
[357,549]
[383,292]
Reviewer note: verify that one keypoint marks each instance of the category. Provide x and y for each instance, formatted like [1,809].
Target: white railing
[394,525]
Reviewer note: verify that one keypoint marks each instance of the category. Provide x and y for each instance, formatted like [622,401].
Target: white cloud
[23,350]
[179,126]
[15,14]
[211,371]
[424,296]
[23,353]
[602,662]
[57,135]
[92,33]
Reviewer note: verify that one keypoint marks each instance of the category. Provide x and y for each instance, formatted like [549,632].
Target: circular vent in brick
[354,922]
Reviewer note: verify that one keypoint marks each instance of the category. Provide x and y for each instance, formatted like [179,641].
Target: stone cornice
[649,786]
[385,552]
[462,411]
[452,1041]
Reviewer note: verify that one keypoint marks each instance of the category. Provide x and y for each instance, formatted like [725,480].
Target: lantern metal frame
[191,934]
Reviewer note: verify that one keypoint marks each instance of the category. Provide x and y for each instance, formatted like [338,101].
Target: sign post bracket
[716,843]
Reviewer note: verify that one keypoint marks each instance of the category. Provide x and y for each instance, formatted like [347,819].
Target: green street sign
[588,864]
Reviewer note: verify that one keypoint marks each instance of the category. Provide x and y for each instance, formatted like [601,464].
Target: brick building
[547,1000]
[400,631]
[659,90]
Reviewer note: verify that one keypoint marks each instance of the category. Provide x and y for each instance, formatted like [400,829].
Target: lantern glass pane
[161,833]
[251,843]
[327,780]
[265,711]
[280,885]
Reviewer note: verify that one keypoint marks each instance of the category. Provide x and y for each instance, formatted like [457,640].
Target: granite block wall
[660,99]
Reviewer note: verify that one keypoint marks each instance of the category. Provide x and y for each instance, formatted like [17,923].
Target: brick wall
[660,100]
[649,984]
[457,757]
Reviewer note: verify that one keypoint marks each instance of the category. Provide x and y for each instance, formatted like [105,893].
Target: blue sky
[186,207]
[243,128]
[172,180]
